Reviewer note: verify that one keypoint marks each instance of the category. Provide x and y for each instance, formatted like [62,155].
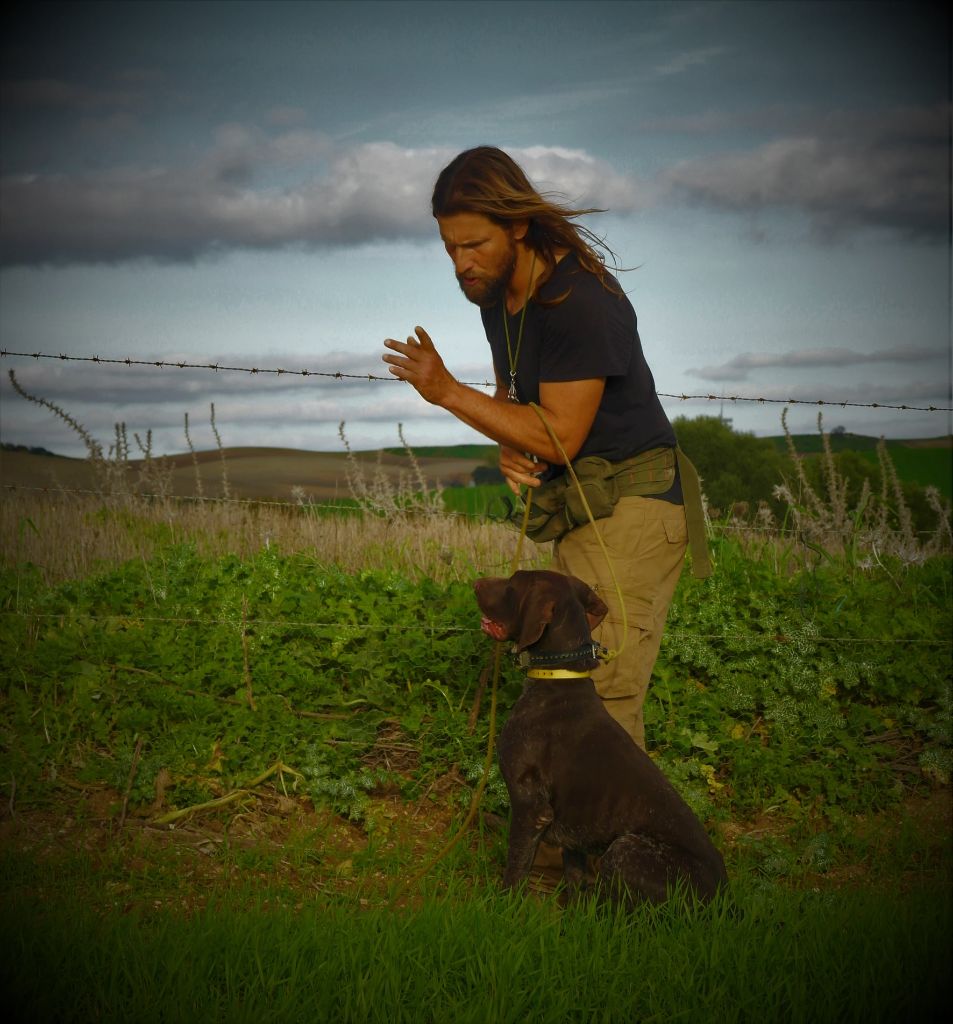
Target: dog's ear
[536,613]
[595,608]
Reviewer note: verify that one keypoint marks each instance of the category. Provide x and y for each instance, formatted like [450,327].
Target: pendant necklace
[514,358]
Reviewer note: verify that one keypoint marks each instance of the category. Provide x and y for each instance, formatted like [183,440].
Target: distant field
[272,473]
[479,452]
[926,461]
[260,473]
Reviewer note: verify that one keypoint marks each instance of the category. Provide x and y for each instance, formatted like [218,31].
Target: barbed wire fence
[311,505]
[341,375]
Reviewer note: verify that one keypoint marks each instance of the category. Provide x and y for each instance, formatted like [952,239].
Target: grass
[277,908]
[801,705]
[928,462]
[72,536]
[923,466]
[285,915]
[761,954]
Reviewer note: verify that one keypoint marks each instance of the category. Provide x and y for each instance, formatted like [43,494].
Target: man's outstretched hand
[418,362]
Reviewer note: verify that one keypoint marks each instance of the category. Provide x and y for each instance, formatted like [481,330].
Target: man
[564,336]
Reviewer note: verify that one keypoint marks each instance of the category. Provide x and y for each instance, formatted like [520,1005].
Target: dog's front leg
[529,819]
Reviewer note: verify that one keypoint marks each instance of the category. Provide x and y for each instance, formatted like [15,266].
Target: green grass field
[924,463]
[766,955]
[220,770]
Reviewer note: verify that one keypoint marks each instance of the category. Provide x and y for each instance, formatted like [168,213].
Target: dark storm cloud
[739,367]
[846,172]
[254,189]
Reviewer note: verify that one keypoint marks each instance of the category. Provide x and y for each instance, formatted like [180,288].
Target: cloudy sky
[248,184]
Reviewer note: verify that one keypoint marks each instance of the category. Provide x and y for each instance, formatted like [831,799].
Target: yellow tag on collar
[556,673]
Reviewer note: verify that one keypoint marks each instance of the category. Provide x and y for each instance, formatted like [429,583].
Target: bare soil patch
[291,852]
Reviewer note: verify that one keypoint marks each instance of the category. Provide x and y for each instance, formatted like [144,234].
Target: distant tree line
[740,471]
[7,447]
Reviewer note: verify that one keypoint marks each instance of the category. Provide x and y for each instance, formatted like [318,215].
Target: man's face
[483,254]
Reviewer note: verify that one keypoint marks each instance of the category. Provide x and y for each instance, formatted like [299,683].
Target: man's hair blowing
[487,181]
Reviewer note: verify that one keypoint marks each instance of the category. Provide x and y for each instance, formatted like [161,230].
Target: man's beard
[488,291]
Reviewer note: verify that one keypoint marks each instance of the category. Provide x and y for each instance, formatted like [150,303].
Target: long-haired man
[564,336]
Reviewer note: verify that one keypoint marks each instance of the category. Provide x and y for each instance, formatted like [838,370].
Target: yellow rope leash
[610,655]
[497,656]
[488,760]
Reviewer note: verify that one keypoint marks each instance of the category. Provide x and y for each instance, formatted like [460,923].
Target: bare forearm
[568,406]
[506,422]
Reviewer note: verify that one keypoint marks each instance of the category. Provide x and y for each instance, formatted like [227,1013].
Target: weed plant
[877,525]
[68,537]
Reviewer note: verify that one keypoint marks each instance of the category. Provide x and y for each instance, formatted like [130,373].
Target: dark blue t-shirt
[592,333]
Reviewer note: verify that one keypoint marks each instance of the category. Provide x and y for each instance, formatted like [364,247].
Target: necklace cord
[514,359]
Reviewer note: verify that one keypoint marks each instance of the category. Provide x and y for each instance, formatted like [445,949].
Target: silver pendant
[511,394]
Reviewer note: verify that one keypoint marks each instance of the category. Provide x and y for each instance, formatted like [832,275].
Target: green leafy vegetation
[824,688]
[230,734]
[740,469]
[734,467]
[220,771]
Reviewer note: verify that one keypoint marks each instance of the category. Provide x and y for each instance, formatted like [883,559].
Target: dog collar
[555,673]
[551,659]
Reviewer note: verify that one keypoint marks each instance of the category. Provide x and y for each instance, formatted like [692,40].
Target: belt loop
[694,516]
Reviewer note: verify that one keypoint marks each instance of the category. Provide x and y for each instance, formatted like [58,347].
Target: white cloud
[343,196]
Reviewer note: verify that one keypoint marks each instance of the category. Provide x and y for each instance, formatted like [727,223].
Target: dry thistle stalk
[195,461]
[226,490]
[877,525]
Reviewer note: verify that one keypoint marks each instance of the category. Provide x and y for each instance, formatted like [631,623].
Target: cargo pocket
[676,530]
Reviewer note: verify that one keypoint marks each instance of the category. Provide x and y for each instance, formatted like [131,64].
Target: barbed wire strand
[237,622]
[341,375]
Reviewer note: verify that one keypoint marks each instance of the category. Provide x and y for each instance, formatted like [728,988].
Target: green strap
[694,516]
[652,472]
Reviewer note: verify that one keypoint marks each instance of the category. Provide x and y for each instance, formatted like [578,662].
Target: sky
[248,184]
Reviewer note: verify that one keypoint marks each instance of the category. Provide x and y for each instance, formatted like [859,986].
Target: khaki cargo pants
[646,539]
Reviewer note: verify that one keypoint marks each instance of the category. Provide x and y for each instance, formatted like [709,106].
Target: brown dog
[575,777]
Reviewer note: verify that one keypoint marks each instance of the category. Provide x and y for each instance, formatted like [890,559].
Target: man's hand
[518,469]
[420,364]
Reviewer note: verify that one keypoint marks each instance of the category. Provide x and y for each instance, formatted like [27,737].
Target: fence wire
[340,375]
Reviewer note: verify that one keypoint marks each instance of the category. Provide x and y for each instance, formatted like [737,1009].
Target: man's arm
[569,406]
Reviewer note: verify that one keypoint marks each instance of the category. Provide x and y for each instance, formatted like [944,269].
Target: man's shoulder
[571,286]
